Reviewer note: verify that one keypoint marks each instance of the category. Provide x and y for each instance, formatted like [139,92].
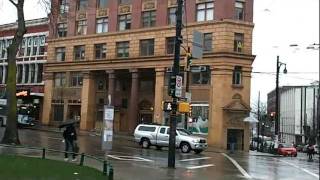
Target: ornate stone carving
[102,13]
[81,15]
[172,3]
[125,9]
[148,5]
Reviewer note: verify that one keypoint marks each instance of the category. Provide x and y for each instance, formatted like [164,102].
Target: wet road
[132,162]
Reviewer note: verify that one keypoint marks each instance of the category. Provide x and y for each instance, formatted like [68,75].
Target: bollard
[104,171]
[110,174]
[82,159]
[43,153]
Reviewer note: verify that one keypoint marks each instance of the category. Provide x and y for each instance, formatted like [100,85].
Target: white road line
[194,159]
[245,174]
[302,169]
[198,167]
[129,158]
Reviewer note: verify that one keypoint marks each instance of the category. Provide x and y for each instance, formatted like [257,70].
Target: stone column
[111,82]
[133,106]
[87,102]
[48,91]
[158,95]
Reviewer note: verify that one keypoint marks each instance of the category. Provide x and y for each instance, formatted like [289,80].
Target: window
[33,73]
[123,49]
[63,8]
[102,3]
[42,41]
[102,25]
[19,73]
[60,54]
[59,79]
[148,19]
[62,30]
[39,73]
[238,42]
[26,73]
[162,130]
[170,45]
[124,22]
[101,51]
[237,75]
[200,113]
[147,128]
[82,5]
[124,1]
[200,75]
[172,16]
[205,11]
[82,27]
[207,42]
[76,79]
[35,46]
[147,47]
[79,53]
[239,10]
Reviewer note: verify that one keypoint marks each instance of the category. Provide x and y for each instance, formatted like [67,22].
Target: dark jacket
[70,134]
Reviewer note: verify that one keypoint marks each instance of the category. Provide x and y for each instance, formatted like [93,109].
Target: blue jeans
[69,147]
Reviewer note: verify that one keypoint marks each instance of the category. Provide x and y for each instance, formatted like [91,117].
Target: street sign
[107,133]
[3,102]
[197,45]
[178,89]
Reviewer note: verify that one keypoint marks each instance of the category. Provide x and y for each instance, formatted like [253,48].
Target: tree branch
[13,3]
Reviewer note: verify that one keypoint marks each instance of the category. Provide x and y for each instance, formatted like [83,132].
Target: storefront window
[200,118]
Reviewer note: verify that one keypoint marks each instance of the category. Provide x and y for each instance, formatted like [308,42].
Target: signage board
[107,132]
[178,90]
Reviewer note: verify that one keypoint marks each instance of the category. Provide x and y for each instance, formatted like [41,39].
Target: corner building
[123,49]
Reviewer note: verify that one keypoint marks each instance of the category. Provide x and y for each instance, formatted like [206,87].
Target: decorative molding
[172,3]
[125,9]
[148,5]
[102,12]
[81,15]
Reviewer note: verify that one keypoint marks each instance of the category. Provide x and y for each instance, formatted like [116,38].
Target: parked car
[156,135]
[287,150]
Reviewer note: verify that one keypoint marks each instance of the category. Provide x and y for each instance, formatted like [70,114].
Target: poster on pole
[107,133]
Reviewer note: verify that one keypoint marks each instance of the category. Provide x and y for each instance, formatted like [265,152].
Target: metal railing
[47,153]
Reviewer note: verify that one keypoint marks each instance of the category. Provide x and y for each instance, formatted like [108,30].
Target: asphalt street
[132,162]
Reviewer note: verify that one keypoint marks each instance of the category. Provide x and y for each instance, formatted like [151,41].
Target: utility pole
[258,128]
[277,101]
[176,71]
[188,59]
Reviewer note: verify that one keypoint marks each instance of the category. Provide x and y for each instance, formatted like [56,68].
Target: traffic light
[188,60]
[184,107]
[167,106]
[172,85]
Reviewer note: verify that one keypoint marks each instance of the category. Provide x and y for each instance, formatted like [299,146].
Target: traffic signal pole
[176,71]
[187,86]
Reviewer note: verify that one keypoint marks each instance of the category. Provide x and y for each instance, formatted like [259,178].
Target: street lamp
[279,64]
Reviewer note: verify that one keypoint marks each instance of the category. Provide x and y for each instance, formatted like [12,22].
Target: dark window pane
[147,47]
[207,42]
[238,42]
[170,45]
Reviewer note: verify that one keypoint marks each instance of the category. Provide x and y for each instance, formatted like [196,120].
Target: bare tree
[11,133]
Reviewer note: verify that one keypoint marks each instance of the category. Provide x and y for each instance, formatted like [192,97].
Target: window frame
[62,30]
[124,46]
[205,10]
[60,77]
[82,27]
[103,23]
[148,18]
[169,44]
[239,11]
[148,46]
[206,40]
[238,38]
[237,76]
[76,79]
[82,5]
[172,19]
[79,51]
[102,5]
[100,51]
[60,52]
[124,20]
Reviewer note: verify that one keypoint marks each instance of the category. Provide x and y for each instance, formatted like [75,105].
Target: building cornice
[28,23]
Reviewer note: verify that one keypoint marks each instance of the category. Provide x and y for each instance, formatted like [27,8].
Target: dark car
[287,150]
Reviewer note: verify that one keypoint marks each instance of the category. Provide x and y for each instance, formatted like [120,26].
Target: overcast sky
[278,24]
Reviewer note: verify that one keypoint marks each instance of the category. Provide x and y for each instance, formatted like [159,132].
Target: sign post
[107,133]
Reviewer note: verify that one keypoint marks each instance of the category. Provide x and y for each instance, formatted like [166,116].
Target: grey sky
[278,23]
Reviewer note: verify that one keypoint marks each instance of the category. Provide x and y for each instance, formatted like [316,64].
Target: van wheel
[185,147]
[145,143]
[198,151]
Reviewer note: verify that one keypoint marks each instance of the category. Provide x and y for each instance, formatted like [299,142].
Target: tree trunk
[11,133]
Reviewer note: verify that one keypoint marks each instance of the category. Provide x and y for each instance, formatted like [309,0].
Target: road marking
[244,173]
[194,159]
[129,158]
[302,169]
[198,167]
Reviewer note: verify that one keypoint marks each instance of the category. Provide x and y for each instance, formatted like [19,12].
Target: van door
[163,137]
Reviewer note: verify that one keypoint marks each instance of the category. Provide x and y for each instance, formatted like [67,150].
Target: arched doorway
[145,112]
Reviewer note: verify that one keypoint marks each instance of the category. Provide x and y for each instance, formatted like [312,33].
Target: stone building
[31,58]
[124,49]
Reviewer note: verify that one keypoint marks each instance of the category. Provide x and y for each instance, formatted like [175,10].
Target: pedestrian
[70,138]
[310,151]
[233,141]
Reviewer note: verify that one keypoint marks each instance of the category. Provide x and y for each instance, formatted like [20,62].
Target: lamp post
[279,64]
